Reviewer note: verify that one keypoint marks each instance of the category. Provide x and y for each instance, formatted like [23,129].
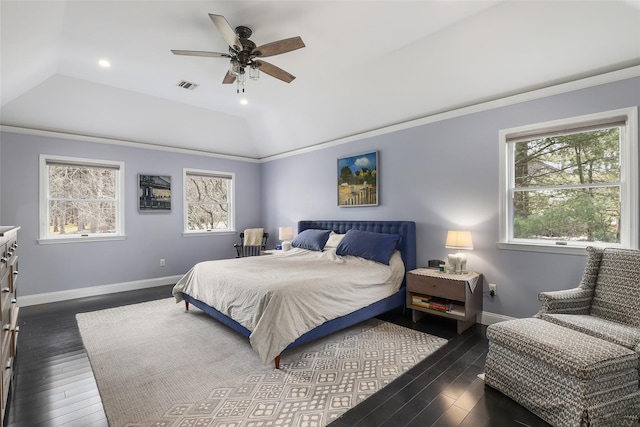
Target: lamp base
[457,263]
[463,262]
[286,245]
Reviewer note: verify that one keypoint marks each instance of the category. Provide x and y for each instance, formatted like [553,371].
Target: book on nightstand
[430,303]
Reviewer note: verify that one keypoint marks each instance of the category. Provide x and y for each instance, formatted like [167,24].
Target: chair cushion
[624,335]
[617,292]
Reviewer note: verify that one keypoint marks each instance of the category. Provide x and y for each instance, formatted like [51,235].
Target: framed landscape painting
[358,180]
[154,193]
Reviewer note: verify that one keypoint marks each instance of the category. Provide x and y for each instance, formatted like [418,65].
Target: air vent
[187,85]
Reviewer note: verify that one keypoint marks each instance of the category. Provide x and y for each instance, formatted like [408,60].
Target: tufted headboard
[406,229]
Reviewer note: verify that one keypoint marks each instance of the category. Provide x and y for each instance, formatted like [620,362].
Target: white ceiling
[366,65]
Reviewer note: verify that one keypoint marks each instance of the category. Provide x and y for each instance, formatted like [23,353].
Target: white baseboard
[488,318]
[91,291]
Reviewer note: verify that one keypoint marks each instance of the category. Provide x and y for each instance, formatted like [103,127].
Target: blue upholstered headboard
[407,229]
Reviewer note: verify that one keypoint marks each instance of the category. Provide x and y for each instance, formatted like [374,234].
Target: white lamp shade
[459,240]
[285,233]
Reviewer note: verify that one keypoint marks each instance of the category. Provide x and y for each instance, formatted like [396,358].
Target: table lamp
[458,240]
[285,234]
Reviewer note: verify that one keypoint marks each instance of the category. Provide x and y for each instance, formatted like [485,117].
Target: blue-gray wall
[1,222]
[444,175]
[150,236]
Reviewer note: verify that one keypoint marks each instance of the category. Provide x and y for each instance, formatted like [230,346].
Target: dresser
[454,296]
[8,307]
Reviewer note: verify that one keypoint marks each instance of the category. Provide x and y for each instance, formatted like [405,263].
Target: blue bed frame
[407,246]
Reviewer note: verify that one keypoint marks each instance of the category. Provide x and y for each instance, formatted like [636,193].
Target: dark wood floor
[54,384]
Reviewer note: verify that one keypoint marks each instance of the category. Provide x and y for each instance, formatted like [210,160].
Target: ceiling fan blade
[278,47]
[228,33]
[228,79]
[200,53]
[274,71]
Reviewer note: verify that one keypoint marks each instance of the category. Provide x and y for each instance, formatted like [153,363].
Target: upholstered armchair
[575,363]
[606,304]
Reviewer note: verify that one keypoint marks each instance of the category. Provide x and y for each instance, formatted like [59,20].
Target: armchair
[243,250]
[606,303]
[575,363]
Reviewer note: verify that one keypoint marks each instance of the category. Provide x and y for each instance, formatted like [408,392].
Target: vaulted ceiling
[366,65]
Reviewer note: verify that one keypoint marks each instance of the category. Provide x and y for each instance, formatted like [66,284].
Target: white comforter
[282,296]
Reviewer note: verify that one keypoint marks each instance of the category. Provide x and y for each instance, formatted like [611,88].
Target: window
[571,183]
[80,199]
[208,201]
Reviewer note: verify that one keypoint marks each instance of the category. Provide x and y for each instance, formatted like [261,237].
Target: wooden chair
[244,251]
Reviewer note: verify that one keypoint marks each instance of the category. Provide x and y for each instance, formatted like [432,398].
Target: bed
[270,339]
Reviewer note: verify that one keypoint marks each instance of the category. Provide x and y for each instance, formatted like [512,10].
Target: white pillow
[334,240]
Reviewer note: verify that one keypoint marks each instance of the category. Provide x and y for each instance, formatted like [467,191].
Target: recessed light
[104,63]
[244,101]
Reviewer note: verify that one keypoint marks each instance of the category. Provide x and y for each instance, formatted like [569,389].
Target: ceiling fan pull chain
[240,80]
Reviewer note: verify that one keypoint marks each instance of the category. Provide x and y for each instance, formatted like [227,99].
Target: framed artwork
[358,180]
[154,193]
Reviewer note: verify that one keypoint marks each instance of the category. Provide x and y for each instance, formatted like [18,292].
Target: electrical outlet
[162,262]
[492,289]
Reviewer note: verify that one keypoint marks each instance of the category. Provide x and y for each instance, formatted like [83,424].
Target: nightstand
[454,296]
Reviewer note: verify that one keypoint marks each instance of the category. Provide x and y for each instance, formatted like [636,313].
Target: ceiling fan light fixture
[254,73]
[234,68]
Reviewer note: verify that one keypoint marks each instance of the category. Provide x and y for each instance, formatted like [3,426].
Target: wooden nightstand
[461,292]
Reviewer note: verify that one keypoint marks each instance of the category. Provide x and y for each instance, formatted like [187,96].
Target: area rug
[157,365]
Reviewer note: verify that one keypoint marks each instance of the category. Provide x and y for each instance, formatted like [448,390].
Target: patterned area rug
[157,365]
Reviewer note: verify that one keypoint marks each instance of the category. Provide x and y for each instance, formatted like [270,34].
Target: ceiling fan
[243,54]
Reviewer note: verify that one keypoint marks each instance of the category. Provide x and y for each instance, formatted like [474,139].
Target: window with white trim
[80,199]
[570,183]
[208,201]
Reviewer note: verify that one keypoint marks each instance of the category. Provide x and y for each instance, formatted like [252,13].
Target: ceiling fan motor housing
[244,57]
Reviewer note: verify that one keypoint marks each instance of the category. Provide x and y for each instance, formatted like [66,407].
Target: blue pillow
[373,246]
[311,239]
